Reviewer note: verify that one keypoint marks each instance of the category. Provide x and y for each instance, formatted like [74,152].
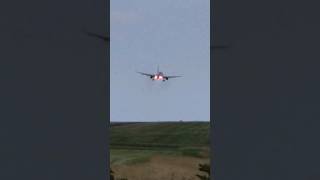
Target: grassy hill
[136,143]
[160,134]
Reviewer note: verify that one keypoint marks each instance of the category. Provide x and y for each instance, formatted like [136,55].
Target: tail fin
[158,69]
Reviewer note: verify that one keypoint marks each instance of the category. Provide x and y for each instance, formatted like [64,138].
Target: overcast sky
[172,34]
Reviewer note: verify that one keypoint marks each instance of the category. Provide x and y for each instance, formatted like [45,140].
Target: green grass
[133,143]
[119,156]
[161,135]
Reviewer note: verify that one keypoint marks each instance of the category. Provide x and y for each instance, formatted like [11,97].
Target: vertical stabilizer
[157,69]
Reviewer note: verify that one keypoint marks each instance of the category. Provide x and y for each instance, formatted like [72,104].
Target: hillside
[164,134]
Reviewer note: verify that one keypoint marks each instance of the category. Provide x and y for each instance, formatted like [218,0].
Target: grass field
[168,150]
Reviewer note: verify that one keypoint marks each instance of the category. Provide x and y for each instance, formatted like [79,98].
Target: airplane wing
[146,74]
[104,38]
[168,77]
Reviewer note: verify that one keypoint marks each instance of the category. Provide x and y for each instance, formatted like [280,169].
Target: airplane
[104,38]
[159,76]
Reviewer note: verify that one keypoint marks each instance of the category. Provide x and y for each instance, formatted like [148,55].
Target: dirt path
[161,167]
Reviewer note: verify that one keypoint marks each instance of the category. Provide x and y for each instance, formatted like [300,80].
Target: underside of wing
[168,77]
[146,74]
[104,38]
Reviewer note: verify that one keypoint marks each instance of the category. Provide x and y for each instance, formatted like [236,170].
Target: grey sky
[172,34]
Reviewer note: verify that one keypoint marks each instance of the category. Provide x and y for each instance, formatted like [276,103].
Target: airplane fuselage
[158,76]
